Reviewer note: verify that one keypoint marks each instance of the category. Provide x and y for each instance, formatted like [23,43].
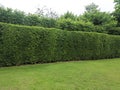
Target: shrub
[100,29]
[114,31]
[25,44]
[84,26]
[66,24]
[70,25]
[48,22]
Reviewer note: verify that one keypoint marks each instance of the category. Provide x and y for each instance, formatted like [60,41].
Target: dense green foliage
[102,20]
[25,44]
[8,15]
[21,45]
[92,20]
[69,15]
[114,31]
[116,13]
[70,25]
[75,41]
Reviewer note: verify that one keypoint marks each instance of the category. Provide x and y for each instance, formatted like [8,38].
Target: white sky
[60,6]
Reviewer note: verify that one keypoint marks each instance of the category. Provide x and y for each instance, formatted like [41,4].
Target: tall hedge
[21,45]
[25,44]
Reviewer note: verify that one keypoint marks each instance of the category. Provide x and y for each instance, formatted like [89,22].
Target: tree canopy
[116,13]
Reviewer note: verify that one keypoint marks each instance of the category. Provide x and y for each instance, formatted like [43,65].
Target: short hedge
[28,45]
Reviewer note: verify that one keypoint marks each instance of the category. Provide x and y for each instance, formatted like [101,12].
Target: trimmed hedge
[26,45]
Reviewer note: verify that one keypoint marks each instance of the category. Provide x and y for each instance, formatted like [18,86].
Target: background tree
[94,15]
[68,15]
[46,12]
[18,17]
[116,13]
[32,20]
[91,7]
[9,15]
[5,14]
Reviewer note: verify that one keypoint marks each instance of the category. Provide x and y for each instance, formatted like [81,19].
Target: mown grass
[80,75]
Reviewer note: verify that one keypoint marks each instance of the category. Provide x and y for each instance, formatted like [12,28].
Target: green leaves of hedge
[26,45]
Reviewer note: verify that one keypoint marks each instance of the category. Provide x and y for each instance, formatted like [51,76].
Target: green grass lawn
[81,75]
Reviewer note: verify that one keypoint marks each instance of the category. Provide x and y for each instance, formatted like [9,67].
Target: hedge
[28,45]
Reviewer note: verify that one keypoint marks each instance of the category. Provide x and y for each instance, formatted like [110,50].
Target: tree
[94,15]
[18,17]
[9,15]
[116,13]
[32,20]
[48,22]
[46,12]
[5,14]
[92,7]
[68,15]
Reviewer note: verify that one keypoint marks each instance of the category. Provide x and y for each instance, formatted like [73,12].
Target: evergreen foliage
[29,44]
